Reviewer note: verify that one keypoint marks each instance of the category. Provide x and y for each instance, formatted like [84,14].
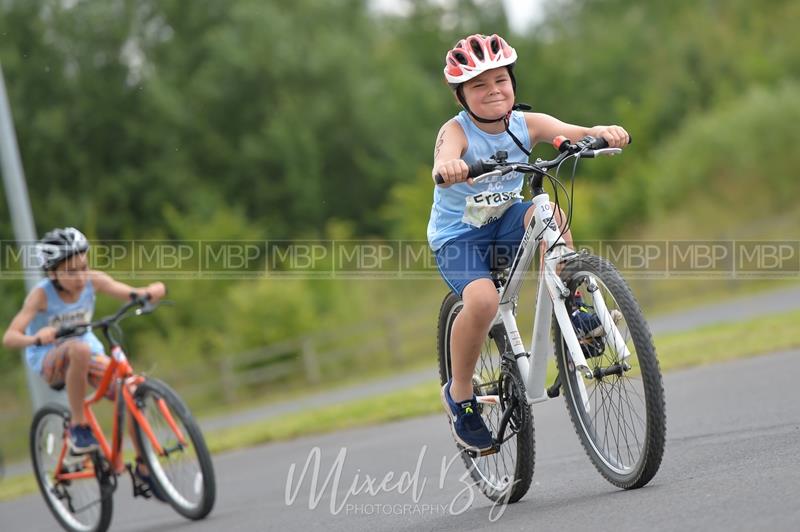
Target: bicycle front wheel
[621,418]
[81,503]
[182,470]
[506,475]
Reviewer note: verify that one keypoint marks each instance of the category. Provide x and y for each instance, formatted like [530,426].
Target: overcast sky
[520,12]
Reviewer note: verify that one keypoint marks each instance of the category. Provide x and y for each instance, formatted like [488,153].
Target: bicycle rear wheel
[622,426]
[506,475]
[183,470]
[79,505]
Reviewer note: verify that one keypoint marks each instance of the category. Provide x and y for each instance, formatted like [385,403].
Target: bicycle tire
[611,463]
[490,365]
[194,496]
[48,430]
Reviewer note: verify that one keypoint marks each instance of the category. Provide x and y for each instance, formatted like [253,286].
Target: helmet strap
[463,102]
[56,284]
[505,118]
[512,135]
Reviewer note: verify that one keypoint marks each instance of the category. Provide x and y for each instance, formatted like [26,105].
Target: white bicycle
[609,373]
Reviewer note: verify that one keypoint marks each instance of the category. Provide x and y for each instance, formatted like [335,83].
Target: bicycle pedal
[488,452]
[71,459]
[555,390]
[140,488]
[474,453]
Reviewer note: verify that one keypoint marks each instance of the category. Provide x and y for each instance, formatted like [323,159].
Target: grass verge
[705,345]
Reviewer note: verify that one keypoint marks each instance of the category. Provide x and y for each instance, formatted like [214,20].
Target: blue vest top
[448,203]
[60,313]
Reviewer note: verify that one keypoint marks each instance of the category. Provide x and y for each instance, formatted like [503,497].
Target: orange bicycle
[78,489]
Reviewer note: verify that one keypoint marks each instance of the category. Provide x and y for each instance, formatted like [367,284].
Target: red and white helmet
[476,54]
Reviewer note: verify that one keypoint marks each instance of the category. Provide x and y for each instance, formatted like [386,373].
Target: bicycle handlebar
[143,302]
[588,147]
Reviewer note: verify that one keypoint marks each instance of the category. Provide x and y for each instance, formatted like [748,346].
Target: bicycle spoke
[78,503]
[504,475]
[616,425]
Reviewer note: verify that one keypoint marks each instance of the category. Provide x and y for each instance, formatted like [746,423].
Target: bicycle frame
[119,371]
[550,300]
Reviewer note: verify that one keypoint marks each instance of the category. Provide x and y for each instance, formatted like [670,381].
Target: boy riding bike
[473,228]
[64,298]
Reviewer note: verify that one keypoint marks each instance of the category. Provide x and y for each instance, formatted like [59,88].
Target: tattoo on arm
[439,143]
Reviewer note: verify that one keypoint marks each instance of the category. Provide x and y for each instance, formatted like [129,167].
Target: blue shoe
[586,323]
[147,488]
[588,327]
[466,423]
[81,440]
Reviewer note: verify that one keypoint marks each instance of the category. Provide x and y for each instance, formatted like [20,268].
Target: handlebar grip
[475,169]
[134,296]
[66,331]
[601,143]
[598,144]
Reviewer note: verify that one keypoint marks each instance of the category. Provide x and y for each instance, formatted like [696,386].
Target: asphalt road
[732,462]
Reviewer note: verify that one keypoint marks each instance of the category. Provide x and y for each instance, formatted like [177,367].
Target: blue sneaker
[146,486]
[81,440]
[588,327]
[586,323]
[466,423]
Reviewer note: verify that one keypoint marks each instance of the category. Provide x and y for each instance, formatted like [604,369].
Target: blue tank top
[449,203]
[60,313]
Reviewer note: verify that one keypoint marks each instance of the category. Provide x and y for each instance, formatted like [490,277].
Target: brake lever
[590,154]
[610,152]
[149,307]
[493,173]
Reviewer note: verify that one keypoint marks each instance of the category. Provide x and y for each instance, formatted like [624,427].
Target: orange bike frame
[118,370]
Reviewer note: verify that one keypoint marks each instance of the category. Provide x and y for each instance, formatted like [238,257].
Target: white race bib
[487,207]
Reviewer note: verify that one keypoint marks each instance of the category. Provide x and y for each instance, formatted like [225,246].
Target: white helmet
[58,245]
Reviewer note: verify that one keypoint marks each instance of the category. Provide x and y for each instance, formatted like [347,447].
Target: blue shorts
[474,254]
[35,355]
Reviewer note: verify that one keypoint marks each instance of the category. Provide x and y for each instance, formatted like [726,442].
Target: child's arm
[450,145]
[544,128]
[106,284]
[15,337]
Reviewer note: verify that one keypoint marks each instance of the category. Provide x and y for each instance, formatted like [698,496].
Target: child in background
[64,298]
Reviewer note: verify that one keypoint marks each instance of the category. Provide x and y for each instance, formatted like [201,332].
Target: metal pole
[24,231]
